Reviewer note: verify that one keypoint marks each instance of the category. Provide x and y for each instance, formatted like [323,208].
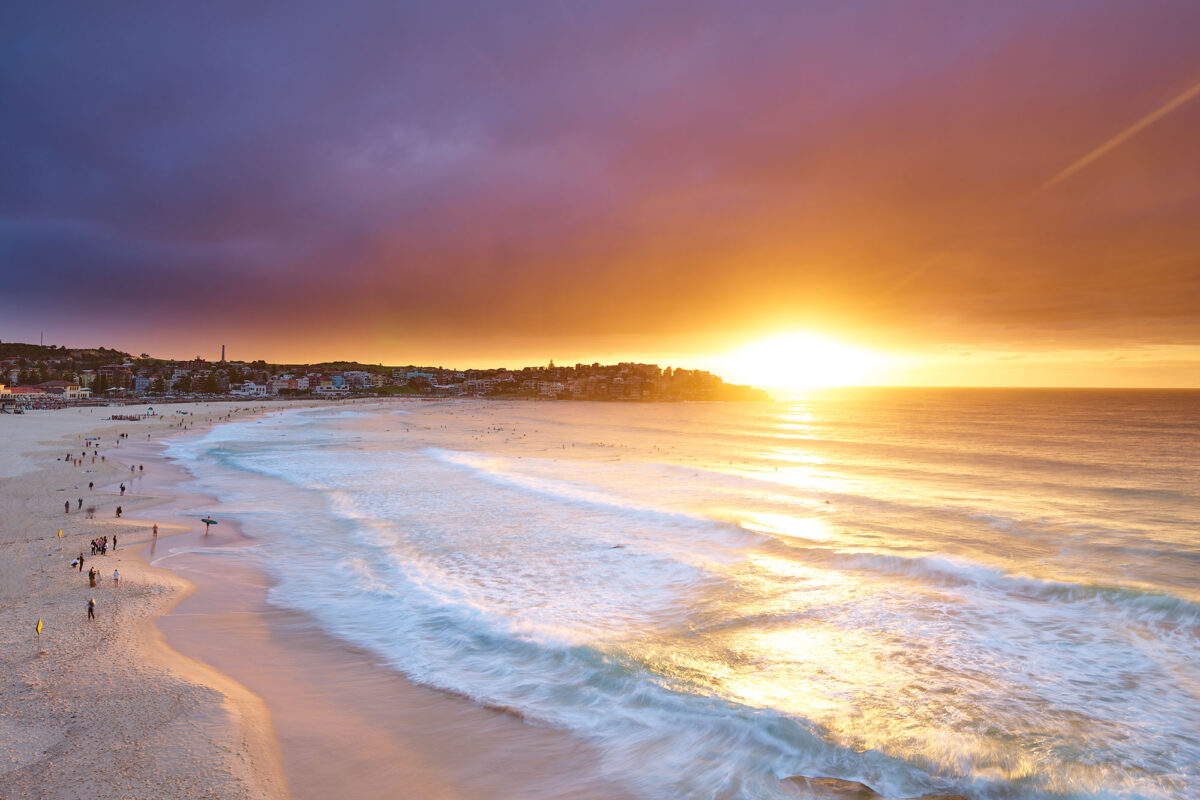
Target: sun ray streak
[1125,135]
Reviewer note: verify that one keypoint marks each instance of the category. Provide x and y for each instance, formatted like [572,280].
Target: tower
[222,354]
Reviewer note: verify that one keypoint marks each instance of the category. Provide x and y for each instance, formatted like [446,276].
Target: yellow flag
[60,533]
[39,626]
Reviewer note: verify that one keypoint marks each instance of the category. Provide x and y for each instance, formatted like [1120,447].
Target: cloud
[674,172]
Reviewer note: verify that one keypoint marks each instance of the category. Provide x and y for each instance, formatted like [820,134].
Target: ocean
[989,592]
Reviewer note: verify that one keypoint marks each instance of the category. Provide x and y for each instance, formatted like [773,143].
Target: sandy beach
[188,684]
[106,708]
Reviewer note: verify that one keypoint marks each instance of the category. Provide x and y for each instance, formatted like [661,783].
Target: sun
[797,361]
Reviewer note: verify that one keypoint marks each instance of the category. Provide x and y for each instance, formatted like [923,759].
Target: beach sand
[225,696]
[106,709]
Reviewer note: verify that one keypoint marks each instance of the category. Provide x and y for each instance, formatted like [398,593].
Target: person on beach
[90,485]
[91,608]
[116,579]
[67,507]
[114,543]
[118,511]
[122,490]
[80,504]
[156,530]
[141,467]
[81,561]
[92,577]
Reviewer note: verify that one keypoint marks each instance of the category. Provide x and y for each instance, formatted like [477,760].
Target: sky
[973,192]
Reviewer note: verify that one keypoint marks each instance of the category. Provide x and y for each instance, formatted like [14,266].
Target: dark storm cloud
[587,169]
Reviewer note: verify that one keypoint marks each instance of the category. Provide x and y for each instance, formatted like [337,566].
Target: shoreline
[214,692]
[345,723]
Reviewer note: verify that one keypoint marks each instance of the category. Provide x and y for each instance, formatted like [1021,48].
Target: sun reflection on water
[811,528]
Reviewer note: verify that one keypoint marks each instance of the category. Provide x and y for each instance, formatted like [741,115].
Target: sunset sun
[799,360]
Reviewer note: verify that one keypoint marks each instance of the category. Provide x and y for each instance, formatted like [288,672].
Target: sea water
[995,593]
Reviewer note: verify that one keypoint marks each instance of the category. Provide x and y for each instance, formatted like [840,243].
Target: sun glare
[798,361]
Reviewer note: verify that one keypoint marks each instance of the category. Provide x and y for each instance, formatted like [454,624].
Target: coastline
[213,691]
[345,724]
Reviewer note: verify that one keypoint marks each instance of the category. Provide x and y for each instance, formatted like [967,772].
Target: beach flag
[60,533]
[39,627]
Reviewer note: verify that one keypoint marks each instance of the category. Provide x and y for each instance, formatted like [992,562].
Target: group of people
[79,460]
[100,546]
[96,581]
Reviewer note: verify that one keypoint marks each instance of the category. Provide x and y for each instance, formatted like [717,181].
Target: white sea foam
[714,625]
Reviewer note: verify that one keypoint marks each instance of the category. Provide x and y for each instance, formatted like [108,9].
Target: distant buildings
[68,390]
[49,375]
[250,389]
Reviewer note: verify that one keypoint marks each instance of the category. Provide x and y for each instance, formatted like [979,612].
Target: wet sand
[348,726]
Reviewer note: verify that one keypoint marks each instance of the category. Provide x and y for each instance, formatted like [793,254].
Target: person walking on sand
[122,490]
[81,561]
[90,485]
[114,543]
[91,609]
[118,511]
[156,530]
[116,579]
[80,504]
[67,507]
[92,577]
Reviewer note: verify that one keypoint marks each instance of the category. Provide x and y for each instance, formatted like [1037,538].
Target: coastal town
[46,376]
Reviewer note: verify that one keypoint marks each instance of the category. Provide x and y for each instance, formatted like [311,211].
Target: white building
[250,389]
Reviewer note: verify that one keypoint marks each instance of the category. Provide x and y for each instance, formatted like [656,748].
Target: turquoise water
[995,593]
